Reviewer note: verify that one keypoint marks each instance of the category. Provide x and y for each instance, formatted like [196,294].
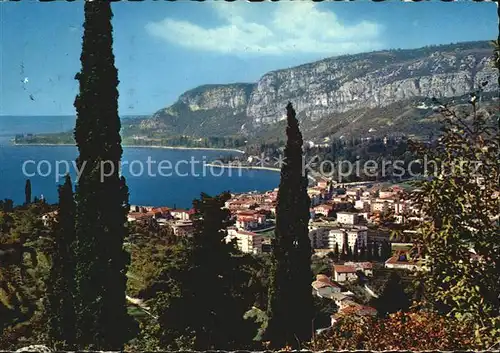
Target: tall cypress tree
[290,308]
[61,285]
[101,195]
[204,287]
[27,192]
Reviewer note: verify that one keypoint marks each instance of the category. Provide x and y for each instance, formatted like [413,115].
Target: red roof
[245,218]
[161,209]
[344,269]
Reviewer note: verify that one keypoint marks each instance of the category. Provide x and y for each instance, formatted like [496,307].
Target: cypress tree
[343,253]
[290,307]
[61,285]
[362,252]
[336,252]
[205,298]
[27,192]
[101,195]
[369,251]
[349,252]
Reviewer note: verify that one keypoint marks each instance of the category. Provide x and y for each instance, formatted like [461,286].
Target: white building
[386,194]
[380,207]
[338,236]
[247,242]
[347,218]
[343,273]
[362,205]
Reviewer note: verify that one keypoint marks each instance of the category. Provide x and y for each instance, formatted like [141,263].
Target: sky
[164,48]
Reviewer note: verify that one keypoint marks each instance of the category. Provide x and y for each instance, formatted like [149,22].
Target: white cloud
[292,28]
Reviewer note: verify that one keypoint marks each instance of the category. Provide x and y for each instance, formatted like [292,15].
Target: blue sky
[165,48]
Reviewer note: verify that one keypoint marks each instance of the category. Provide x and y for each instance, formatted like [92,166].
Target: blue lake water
[181,178]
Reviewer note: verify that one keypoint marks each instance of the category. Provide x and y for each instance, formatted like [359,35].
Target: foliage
[459,234]
[23,268]
[101,195]
[392,297]
[291,275]
[413,331]
[198,296]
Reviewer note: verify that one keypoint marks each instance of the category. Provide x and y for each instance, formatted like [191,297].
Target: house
[325,288]
[343,273]
[183,215]
[138,216]
[247,242]
[403,261]
[341,299]
[347,218]
[246,222]
[183,228]
[362,205]
[323,209]
[163,212]
[353,193]
[365,267]
[380,207]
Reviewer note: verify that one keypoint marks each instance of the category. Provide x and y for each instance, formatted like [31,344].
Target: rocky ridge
[328,88]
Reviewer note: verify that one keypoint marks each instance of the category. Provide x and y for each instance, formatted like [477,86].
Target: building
[380,207]
[324,288]
[347,218]
[183,228]
[247,242]
[402,261]
[362,205]
[355,235]
[249,219]
[138,216]
[324,210]
[353,193]
[386,194]
[365,267]
[183,215]
[318,237]
[343,273]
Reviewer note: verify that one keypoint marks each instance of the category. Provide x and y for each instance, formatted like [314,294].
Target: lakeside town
[351,229]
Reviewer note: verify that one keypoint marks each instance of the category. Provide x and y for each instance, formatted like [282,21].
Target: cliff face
[209,97]
[369,81]
[324,89]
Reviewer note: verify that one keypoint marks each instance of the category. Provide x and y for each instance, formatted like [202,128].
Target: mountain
[385,91]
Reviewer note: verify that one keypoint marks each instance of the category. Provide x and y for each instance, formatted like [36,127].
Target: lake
[155,176]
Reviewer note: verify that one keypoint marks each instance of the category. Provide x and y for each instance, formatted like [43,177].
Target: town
[351,230]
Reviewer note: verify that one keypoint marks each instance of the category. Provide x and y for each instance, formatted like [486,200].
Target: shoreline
[250,167]
[242,167]
[140,146]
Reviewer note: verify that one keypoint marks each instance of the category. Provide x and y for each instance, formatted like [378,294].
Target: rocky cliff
[330,88]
